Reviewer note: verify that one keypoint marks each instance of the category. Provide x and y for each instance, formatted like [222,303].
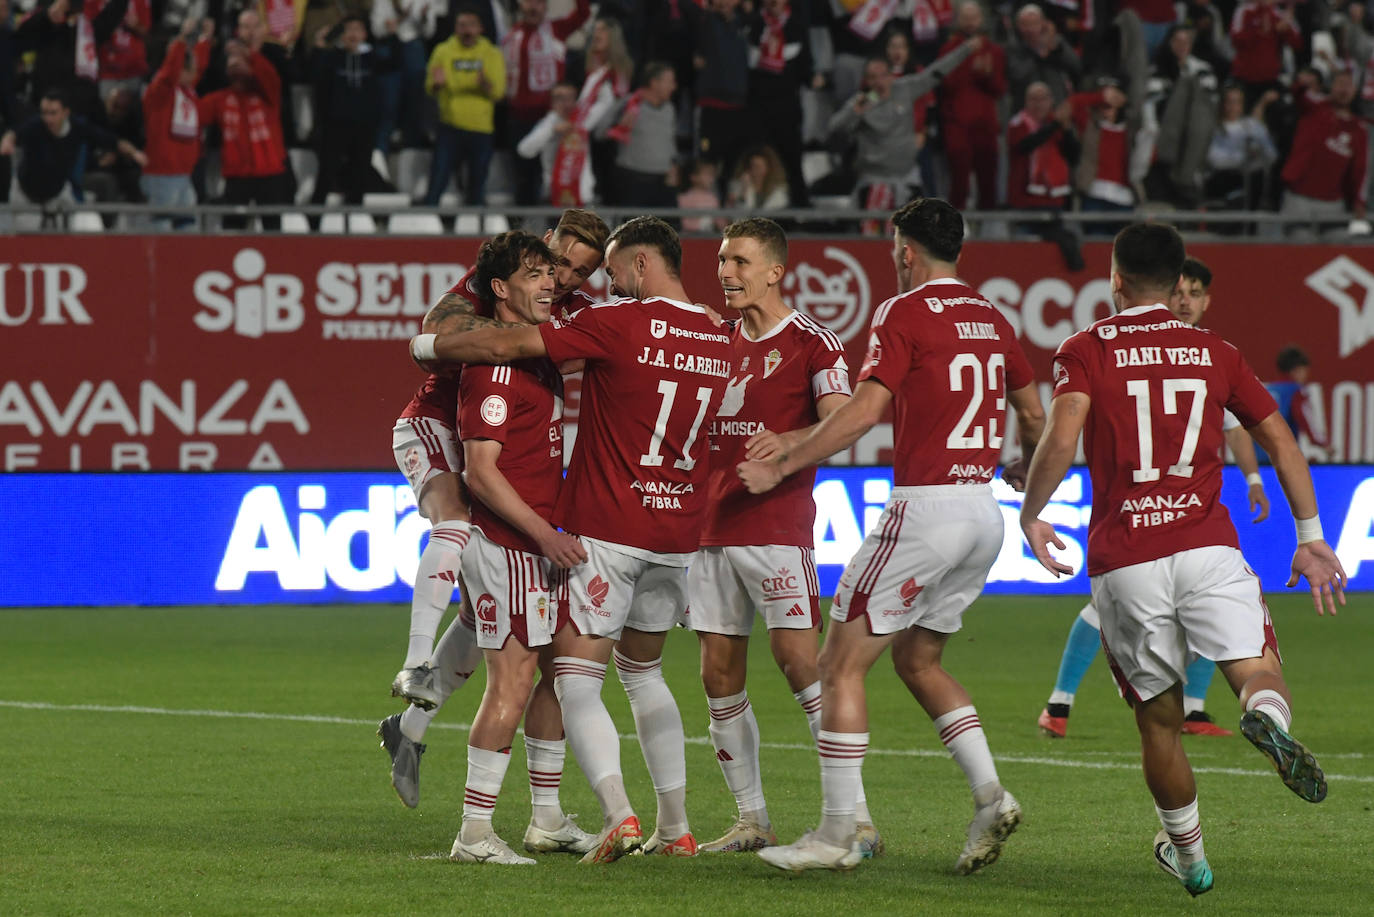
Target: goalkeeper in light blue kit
[1188,304]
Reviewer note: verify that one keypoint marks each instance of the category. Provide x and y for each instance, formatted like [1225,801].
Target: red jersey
[1153,436]
[656,370]
[777,381]
[949,358]
[250,124]
[171,114]
[566,307]
[534,61]
[969,96]
[1328,159]
[437,396]
[520,406]
[1258,43]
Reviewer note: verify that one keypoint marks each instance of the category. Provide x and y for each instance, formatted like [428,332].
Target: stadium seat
[411,172]
[416,224]
[294,223]
[361,224]
[468,224]
[303,104]
[85,221]
[815,165]
[306,165]
[494,223]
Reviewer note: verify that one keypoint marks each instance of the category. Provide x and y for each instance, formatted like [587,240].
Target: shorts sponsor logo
[597,590]
[494,410]
[781,585]
[486,614]
[894,612]
[413,463]
[909,590]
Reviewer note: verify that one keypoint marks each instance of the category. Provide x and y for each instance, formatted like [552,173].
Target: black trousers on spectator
[642,189]
[777,122]
[345,153]
[266,189]
[529,173]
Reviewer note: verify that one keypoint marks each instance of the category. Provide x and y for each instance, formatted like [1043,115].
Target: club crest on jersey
[658,327]
[771,362]
[494,410]
[1107,332]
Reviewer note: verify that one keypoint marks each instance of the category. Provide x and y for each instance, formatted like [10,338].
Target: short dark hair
[932,224]
[766,232]
[653,69]
[654,233]
[466,8]
[1194,269]
[1290,358]
[55,95]
[1149,256]
[502,255]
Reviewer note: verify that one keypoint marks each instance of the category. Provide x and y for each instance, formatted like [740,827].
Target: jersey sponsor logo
[494,410]
[836,295]
[782,585]
[52,291]
[662,494]
[771,362]
[1107,332]
[658,327]
[1336,282]
[357,301]
[1158,509]
[934,304]
[733,401]
[908,591]
[968,472]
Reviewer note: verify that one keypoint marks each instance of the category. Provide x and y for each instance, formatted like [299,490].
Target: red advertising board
[191,352]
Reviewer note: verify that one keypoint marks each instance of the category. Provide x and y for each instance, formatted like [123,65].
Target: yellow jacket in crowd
[464,102]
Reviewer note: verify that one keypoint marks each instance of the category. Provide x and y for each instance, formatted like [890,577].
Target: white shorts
[612,591]
[1159,616]
[510,594]
[925,561]
[726,584]
[425,447]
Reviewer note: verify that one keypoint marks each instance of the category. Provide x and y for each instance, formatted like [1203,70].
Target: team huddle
[687,501]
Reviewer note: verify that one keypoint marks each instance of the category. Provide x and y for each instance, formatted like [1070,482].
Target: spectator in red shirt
[1259,30]
[253,153]
[535,56]
[124,56]
[1042,147]
[1324,177]
[171,121]
[968,111]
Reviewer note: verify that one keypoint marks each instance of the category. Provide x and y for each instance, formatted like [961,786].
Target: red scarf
[281,17]
[621,132]
[771,42]
[87,62]
[185,123]
[1049,170]
[565,185]
[592,89]
[928,17]
[870,18]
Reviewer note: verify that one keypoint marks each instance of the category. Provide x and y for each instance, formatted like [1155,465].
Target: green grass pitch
[222,761]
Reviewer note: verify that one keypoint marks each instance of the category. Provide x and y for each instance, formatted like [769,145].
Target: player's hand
[766,444]
[1259,503]
[563,549]
[1014,474]
[1040,535]
[1325,576]
[759,477]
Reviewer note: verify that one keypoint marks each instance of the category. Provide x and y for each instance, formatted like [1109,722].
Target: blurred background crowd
[1101,105]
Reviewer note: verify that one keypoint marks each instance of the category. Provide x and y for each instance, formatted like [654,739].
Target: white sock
[455,658]
[589,728]
[1193,704]
[434,581]
[842,760]
[544,758]
[1185,832]
[658,723]
[486,771]
[735,735]
[1061,697]
[963,735]
[1272,703]
[810,700]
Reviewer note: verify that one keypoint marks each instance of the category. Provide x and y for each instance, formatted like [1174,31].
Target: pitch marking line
[1133,765]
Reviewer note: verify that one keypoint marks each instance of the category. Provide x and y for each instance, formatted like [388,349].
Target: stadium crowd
[765,104]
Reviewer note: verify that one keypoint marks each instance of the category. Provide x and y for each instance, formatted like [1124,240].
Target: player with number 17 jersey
[656,371]
[949,358]
[1153,438]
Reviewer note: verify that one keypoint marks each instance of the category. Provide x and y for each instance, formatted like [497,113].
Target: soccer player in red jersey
[510,419]
[757,551]
[656,367]
[428,453]
[948,364]
[1147,392]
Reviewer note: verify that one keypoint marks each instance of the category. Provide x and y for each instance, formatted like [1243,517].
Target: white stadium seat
[415,224]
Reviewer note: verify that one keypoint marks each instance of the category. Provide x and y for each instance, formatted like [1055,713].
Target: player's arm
[766,444]
[839,430]
[1051,460]
[1243,448]
[457,313]
[489,485]
[1313,558]
[1030,426]
[485,345]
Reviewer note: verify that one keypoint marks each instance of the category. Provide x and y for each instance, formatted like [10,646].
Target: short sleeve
[484,404]
[588,335]
[1019,372]
[1071,366]
[1250,401]
[889,357]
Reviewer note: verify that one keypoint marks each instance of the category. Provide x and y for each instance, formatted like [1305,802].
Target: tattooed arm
[457,313]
